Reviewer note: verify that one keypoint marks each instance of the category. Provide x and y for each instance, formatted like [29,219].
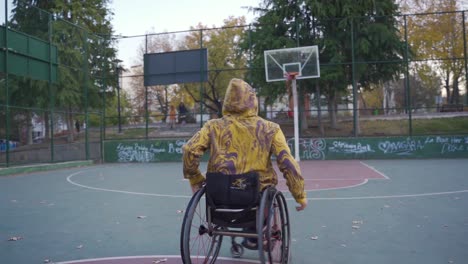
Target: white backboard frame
[308,55]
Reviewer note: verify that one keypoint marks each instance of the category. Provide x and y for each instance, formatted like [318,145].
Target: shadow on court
[376,211]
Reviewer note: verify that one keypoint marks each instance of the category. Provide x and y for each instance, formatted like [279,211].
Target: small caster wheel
[237,250]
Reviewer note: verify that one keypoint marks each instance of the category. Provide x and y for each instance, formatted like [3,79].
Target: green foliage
[225,61]
[80,30]
[440,36]
[332,25]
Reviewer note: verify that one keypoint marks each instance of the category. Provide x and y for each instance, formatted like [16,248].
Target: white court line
[120,191]
[150,256]
[364,181]
[375,170]
[386,196]
[310,199]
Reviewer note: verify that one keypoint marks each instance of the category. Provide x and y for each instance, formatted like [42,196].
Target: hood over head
[240,99]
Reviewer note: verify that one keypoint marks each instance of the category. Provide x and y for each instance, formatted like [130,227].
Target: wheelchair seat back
[233,199]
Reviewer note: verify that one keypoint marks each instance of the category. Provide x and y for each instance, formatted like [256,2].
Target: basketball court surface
[373,211]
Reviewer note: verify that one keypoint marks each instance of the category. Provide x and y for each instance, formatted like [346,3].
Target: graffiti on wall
[310,148]
[319,149]
[141,152]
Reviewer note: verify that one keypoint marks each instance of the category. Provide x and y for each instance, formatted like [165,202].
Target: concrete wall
[310,148]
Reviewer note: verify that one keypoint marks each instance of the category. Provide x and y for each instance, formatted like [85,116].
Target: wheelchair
[205,224]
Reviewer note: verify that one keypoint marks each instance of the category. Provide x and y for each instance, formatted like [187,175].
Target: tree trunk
[302,114]
[447,87]
[70,126]
[29,137]
[319,110]
[332,109]
[455,91]
[47,126]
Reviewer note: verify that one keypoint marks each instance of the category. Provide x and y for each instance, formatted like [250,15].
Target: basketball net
[291,75]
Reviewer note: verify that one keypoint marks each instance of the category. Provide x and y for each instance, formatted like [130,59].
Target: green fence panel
[143,150]
[420,147]
[28,56]
[424,147]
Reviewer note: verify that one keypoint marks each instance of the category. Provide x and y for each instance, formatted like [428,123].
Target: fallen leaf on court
[358,222]
[355,227]
[314,237]
[46,260]
[141,216]
[159,260]
[343,245]
[79,247]
[15,238]
[180,211]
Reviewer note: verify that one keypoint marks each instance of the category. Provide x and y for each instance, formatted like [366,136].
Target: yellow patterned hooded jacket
[241,142]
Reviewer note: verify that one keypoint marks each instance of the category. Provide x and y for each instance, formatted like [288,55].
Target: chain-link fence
[51,88]
[380,76]
[62,94]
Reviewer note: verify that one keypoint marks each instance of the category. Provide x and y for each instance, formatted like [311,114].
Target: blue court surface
[373,211]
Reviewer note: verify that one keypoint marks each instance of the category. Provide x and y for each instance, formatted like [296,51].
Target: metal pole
[465,58]
[104,87]
[296,121]
[118,97]
[355,99]
[86,83]
[250,53]
[52,93]
[7,94]
[103,110]
[408,91]
[146,95]
[201,78]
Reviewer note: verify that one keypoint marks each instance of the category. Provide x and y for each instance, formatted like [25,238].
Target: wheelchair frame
[272,225]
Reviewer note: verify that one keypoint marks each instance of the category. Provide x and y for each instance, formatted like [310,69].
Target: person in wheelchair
[241,142]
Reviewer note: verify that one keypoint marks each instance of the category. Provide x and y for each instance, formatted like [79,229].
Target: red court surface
[330,174]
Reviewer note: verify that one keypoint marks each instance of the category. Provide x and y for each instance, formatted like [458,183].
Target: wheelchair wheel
[237,250]
[197,243]
[273,228]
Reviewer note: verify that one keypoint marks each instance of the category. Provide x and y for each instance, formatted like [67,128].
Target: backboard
[302,60]
[185,66]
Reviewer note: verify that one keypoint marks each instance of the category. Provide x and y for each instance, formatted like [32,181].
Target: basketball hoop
[288,65]
[291,75]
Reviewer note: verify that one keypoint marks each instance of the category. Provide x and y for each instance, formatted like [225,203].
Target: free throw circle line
[310,199]
[120,191]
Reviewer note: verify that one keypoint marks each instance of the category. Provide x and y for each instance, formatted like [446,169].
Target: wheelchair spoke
[276,231]
[197,243]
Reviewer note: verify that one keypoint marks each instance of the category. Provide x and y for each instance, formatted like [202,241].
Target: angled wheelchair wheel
[273,228]
[197,243]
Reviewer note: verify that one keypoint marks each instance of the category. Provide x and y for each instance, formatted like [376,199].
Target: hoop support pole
[296,120]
